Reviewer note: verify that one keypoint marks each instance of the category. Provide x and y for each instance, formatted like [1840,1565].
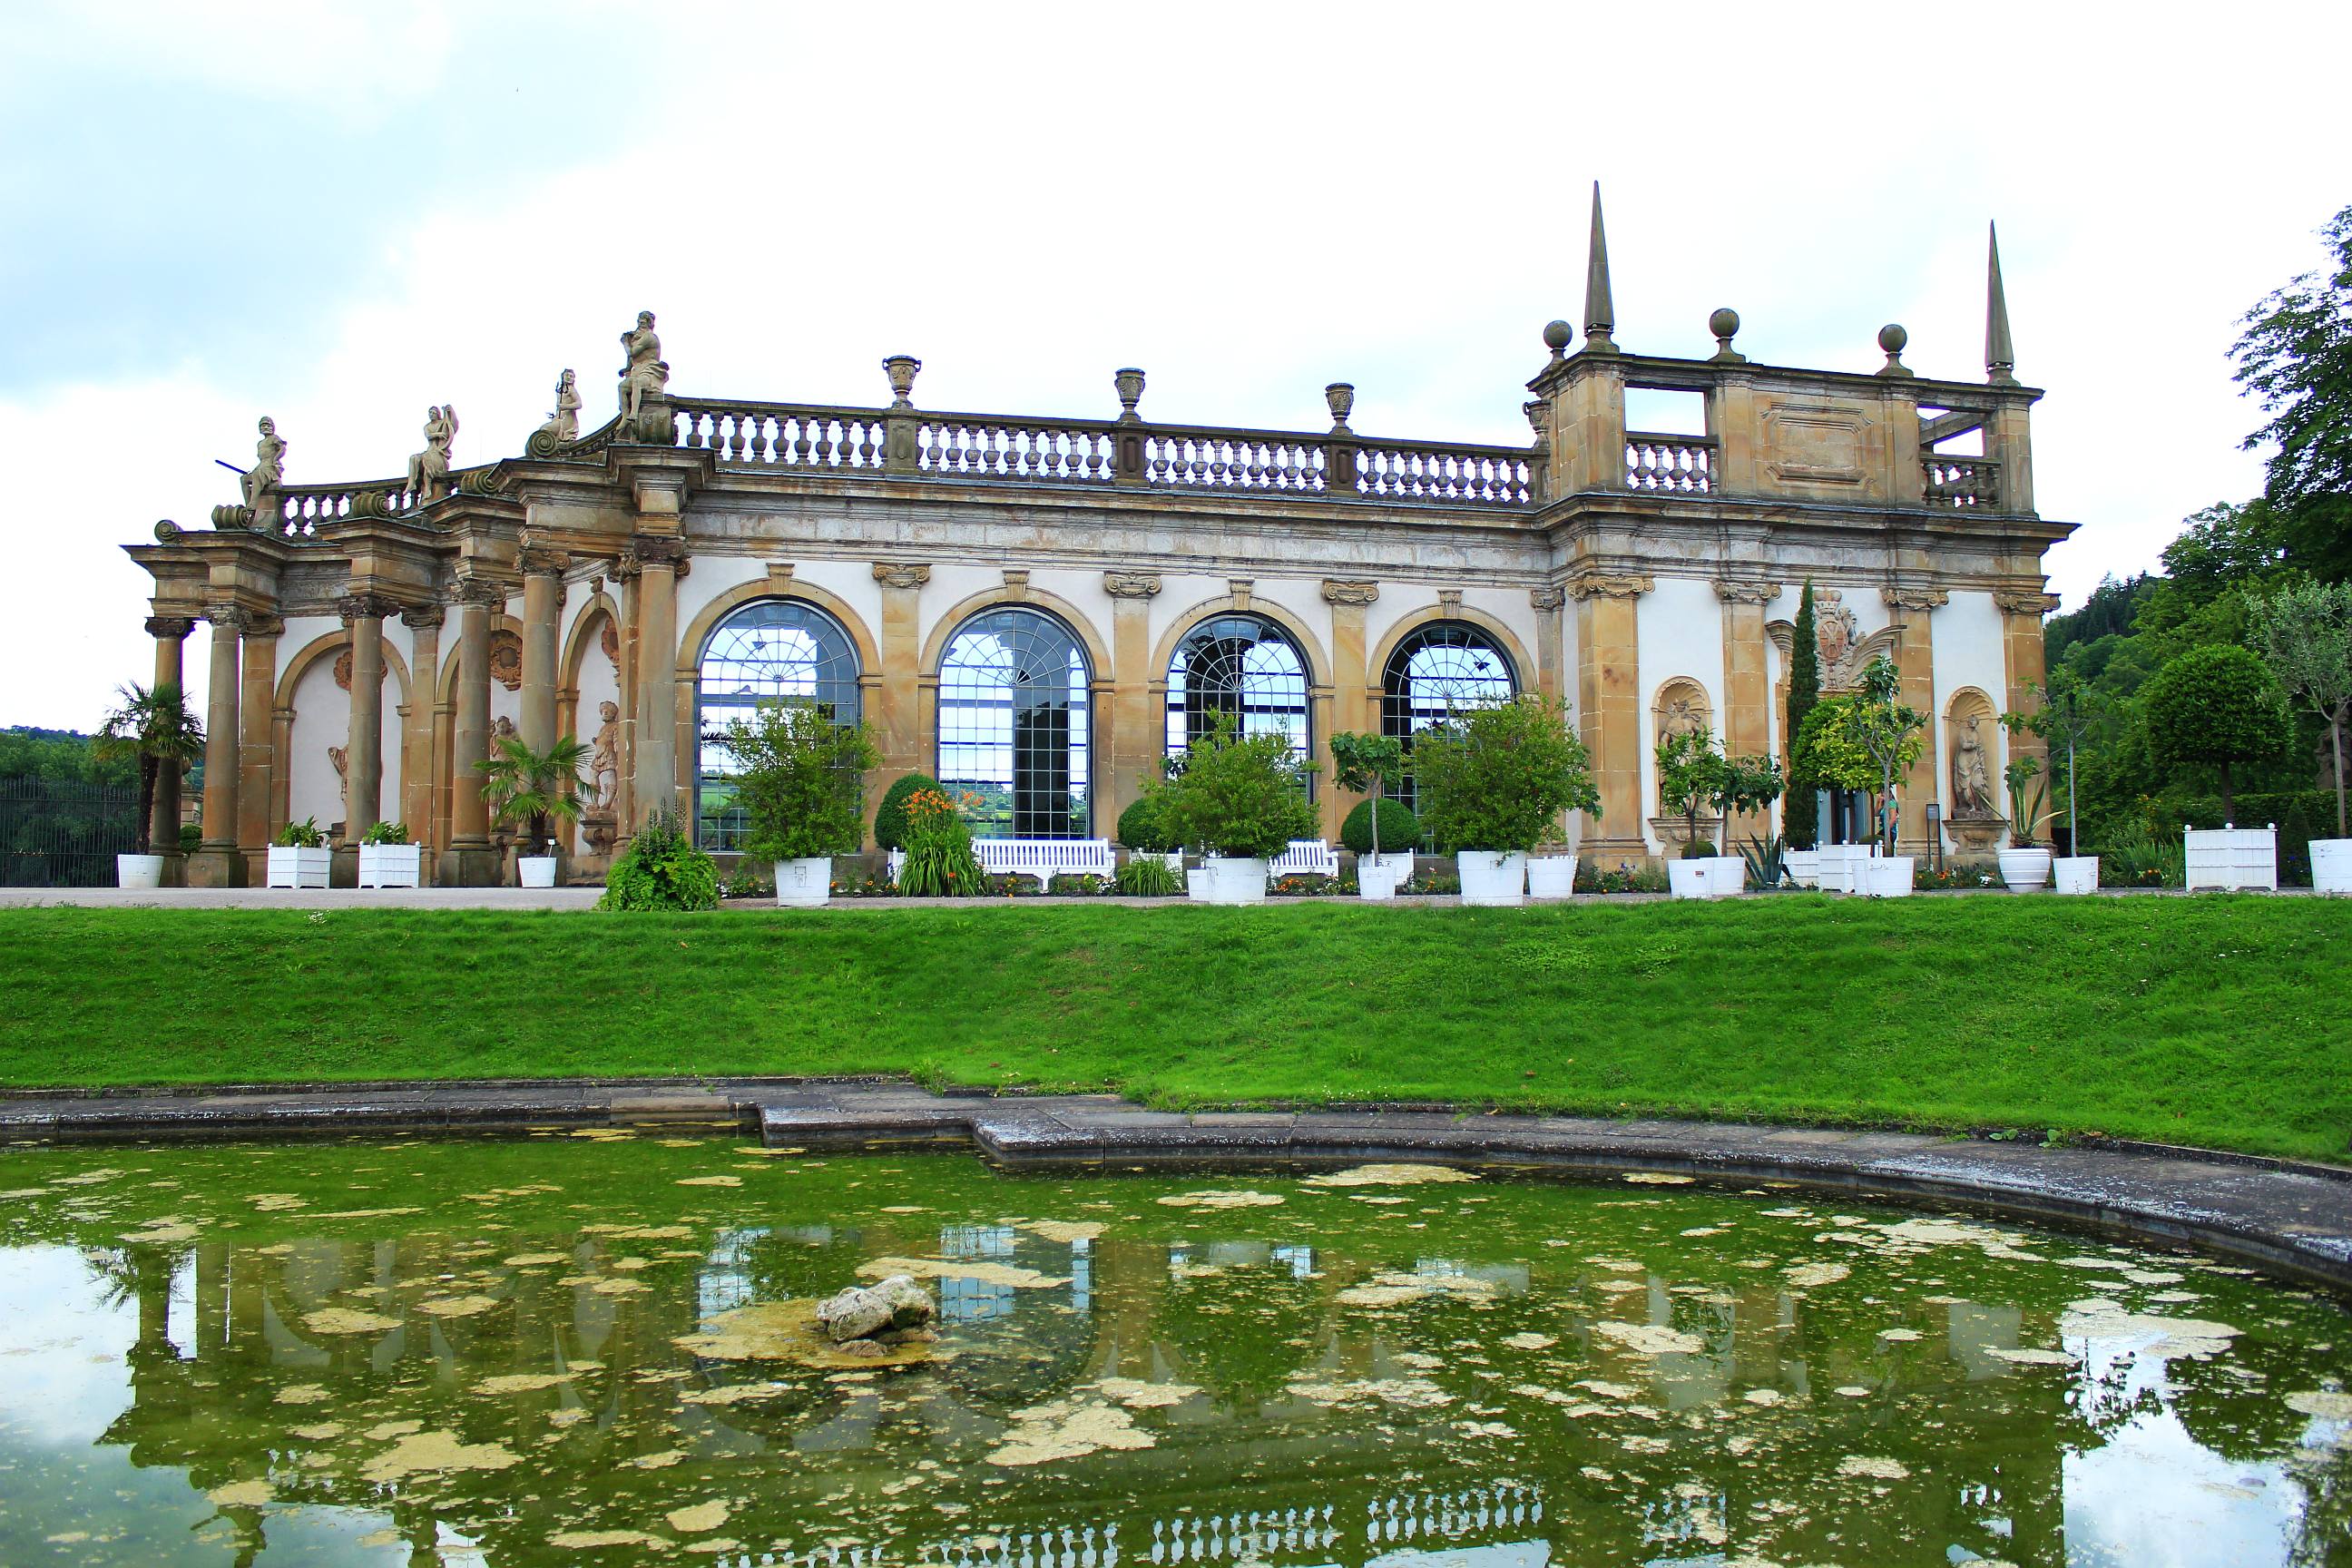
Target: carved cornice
[2018,602]
[1914,599]
[1348,591]
[488,592]
[366,607]
[1131,585]
[233,618]
[174,628]
[1017,582]
[658,549]
[423,617]
[1547,599]
[1737,593]
[1610,586]
[901,574]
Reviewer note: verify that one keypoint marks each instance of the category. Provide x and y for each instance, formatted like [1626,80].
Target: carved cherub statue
[268,471]
[605,752]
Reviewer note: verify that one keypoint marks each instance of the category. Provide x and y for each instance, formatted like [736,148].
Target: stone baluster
[543,610]
[218,863]
[363,615]
[171,635]
[469,861]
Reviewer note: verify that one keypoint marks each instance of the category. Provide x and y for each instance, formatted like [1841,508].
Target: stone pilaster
[1355,696]
[1609,710]
[218,863]
[1136,740]
[1913,611]
[1747,685]
[257,749]
[1551,653]
[364,614]
[899,727]
[659,557]
[543,610]
[171,635]
[416,769]
[2024,657]
[469,860]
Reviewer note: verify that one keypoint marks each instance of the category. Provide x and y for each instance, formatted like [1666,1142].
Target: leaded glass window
[771,650]
[1243,665]
[1014,730]
[1439,669]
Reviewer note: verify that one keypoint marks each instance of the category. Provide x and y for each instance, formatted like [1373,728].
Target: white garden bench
[1305,858]
[1046,859]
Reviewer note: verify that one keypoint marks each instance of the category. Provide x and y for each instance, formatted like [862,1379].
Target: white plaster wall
[1969,651]
[712,575]
[301,631]
[1085,593]
[853,583]
[1303,598]
[1177,599]
[1679,625]
[322,717]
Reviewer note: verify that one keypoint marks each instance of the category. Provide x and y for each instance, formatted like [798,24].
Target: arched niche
[1679,705]
[1972,757]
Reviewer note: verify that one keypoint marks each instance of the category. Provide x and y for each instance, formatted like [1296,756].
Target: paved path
[2297,1219]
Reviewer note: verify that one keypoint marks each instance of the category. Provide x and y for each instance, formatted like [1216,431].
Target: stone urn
[1551,875]
[139,871]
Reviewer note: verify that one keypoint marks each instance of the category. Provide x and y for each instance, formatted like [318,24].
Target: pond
[571,1349]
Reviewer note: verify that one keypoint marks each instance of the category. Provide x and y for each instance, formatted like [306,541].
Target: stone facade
[1632,576]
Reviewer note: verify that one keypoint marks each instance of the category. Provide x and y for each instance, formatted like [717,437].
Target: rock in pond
[895,1305]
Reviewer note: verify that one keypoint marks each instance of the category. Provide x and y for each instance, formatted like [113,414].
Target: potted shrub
[940,862]
[800,782]
[153,728]
[1243,798]
[387,859]
[1750,785]
[1693,776]
[535,788]
[2219,705]
[1372,764]
[299,856]
[1495,781]
[2304,633]
[2024,864]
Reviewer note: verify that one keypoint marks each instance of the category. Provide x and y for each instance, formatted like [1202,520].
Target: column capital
[366,607]
[1737,592]
[538,561]
[1610,586]
[229,617]
[1131,585]
[1549,597]
[488,592]
[2025,603]
[901,574]
[1349,591]
[658,550]
[419,617]
[1914,599]
[170,627]
[262,624]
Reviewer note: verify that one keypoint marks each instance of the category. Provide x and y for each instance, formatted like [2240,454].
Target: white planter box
[1889,876]
[1376,879]
[2241,858]
[535,870]
[2331,865]
[1196,884]
[1492,876]
[138,870]
[1708,877]
[1838,866]
[391,864]
[1230,879]
[2075,873]
[2025,871]
[804,884]
[1803,866]
[291,865]
[1551,875]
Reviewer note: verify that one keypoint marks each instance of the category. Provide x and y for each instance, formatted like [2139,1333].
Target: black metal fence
[59,833]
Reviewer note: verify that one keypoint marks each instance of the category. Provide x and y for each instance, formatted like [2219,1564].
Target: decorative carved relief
[420,617]
[506,658]
[168,628]
[1971,751]
[1737,593]
[2018,602]
[1131,585]
[1342,591]
[1449,601]
[1816,443]
[902,574]
[608,638]
[343,669]
[1547,599]
[1610,586]
[1843,651]
[1239,588]
[1914,599]
[1017,582]
[488,592]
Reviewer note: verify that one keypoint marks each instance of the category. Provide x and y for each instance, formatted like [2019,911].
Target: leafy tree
[154,730]
[1876,736]
[2304,633]
[2294,358]
[1691,778]
[2223,547]
[1243,797]
[535,788]
[1498,777]
[1370,764]
[1802,816]
[890,817]
[801,781]
[2219,706]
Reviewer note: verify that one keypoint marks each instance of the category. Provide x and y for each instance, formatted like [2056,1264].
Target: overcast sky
[337,215]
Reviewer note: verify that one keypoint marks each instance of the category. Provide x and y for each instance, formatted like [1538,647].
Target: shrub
[1149,877]
[1498,777]
[191,839]
[1073,885]
[748,881]
[890,817]
[1400,829]
[661,869]
[940,860]
[302,835]
[386,833]
[534,788]
[1699,849]
[1240,795]
[1372,764]
[1139,827]
[2219,705]
[802,780]
[1802,816]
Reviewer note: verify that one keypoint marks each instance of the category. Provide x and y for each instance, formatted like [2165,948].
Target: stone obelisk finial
[1600,310]
[2001,356]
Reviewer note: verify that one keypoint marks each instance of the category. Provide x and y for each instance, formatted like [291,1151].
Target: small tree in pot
[1243,798]
[1891,734]
[2219,706]
[800,782]
[1495,781]
[2305,631]
[153,728]
[536,789]
[1691,778]
[1371,766]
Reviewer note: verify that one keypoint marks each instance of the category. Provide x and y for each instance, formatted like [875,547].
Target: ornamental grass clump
[1497,778]
[1148,876]
[661,869]
[1241,796]
[938,843]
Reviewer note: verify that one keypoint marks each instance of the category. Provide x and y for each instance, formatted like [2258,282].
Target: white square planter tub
[1889,876]
[291,865]
[1551,875]
[391,864]
[2075,873]
[1707,876]
[2025,871]
[1492,876]
[2242,859]
[535,870]
[1229,879]
[1838,866]
[1803,867]
[139,870]
[804,883]
[2331,865]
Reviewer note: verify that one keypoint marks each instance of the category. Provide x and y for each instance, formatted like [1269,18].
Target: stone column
[217,863]
[1135,741]
[898,727]
[542,609]
[258,743]
[1747,687]
[469,861]
[1915,660]
[1552,679]
[416,769]
[171,635]
[364,614]
[657,762]
[1609,711]
[625,797]
[1352,705]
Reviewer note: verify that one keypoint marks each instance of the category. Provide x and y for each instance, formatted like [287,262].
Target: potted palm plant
[800,782]
[298,857]
[153,728]
[1497,780]
[1371,766]
[536,789]
[387,859]
[1243,798]
[2024,864]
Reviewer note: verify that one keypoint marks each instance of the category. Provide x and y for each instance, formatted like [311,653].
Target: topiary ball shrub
[1140,827]
[1400,829]
[890,817]
[1698,849]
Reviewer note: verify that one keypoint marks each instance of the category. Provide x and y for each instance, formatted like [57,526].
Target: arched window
[1015,729]
[775,648]
[1243,665]
[1436,670]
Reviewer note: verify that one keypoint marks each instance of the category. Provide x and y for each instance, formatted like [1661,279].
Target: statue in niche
[1971,773]
[502,729]
[428,471]
[1684,716]
[268,471]
[563,427]
[605,753]
[341,758]
[646,374]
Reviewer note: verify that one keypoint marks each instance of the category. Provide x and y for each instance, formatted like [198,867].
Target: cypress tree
[1801,808]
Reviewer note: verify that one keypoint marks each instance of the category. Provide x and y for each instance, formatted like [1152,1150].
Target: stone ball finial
[1725,323]
[1555,336]
[1892,337]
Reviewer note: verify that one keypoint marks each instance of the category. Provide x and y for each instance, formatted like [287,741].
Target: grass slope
[2218,1020]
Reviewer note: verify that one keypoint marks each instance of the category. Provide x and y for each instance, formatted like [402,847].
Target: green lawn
[2221,1021]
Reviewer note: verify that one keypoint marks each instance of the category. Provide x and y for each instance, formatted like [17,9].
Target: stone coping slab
[2289,1218]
